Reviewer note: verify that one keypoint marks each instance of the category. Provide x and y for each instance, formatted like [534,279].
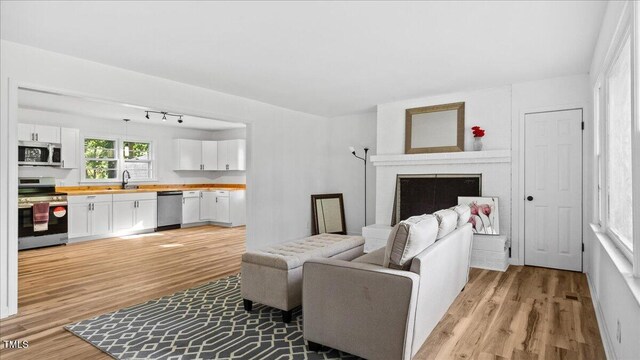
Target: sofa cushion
[375,257]
[409,238]
[293,254]
[447,222]
[464,213]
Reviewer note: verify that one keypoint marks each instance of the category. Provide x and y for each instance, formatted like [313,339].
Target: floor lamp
[353,151]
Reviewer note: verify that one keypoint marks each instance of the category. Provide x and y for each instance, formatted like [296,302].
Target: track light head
[180,120]
[147,116]
[164,116]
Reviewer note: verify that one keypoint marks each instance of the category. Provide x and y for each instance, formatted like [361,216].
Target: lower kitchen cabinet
[208,210]
[223,206]
[133,212]
[191,207]
[90,215]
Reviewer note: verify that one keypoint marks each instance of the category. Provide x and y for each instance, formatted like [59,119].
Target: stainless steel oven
[41,190]
[33,153]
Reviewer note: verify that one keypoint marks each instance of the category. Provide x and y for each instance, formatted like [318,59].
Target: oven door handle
[53,203]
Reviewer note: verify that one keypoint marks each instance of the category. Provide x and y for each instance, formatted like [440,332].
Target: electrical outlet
[619,332]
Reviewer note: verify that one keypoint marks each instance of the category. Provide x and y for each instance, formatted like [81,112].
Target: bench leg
[314,346]
[248,304]
[286,316]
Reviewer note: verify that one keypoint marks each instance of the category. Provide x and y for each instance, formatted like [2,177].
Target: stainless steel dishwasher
[169,210]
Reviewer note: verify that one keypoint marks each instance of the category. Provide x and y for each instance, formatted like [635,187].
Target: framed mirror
[328,214]
[434,129]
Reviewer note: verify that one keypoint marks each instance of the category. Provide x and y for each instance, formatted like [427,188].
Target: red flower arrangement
[477,131]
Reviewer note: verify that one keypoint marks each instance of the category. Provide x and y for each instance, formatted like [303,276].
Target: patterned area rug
[206,322]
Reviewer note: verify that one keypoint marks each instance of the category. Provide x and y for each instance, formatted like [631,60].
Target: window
[137,160]
[618,120]
[100,159]
[106,158]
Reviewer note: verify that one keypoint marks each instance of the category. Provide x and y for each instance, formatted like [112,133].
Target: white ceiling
[326,58]
[104,110]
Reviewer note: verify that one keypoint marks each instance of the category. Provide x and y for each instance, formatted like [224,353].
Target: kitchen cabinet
[25,132]
[222,209]
[223,206]
[232,154]
[70,148]
[195,154]
[132,212]
[188,154]
[190,207]
[207,205]
[40,133]
[89,215]
[209,155]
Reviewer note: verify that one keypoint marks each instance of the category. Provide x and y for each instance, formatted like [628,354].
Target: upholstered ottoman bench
[273,276]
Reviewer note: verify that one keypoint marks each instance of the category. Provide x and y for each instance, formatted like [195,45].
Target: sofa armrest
[363,309]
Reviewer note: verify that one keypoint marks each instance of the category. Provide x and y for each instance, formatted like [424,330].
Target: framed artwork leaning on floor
[485,217]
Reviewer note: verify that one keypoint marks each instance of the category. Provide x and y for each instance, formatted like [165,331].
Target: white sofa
[372,311]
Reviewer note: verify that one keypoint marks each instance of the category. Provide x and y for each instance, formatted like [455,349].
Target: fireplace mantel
[464,157]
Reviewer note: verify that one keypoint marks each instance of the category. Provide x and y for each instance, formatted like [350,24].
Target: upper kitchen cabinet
[187,154]
[195,154]
[209,155]
[40,133]
[70,148]
[232,154]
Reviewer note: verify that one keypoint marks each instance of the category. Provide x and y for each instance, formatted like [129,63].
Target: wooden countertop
[115,189]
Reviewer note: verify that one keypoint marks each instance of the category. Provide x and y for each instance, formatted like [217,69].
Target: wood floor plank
[535,314]
[526,313]
[64,284]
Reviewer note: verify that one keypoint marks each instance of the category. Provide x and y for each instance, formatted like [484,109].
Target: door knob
[530,198]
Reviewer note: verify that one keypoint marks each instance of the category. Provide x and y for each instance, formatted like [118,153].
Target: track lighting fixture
[164,115]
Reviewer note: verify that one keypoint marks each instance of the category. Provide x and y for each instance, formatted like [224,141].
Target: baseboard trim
[602,325]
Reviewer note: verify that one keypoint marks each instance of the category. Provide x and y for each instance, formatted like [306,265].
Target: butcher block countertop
[116,189]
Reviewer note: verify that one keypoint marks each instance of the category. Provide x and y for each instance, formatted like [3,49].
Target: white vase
[477,143]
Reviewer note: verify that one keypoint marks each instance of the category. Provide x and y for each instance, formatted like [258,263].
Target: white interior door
[553,189]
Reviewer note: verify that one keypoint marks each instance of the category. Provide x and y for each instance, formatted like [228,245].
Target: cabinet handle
[62,163]
[33,137]
[216,199]
[37,137]
[182,200]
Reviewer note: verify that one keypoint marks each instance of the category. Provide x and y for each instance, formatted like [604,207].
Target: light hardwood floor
[525,313]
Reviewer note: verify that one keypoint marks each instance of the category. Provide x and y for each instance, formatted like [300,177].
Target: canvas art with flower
[484,214]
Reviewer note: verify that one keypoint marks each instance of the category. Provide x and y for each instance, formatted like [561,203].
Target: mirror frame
[314,213]
[459,106]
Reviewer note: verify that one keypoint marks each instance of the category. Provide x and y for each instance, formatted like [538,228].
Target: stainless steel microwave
[31,153]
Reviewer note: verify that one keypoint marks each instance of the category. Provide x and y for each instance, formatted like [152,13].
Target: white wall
[487,108]
[498,110]
[160,135]
[616,293]
[346,173]
[279,140]
[543,95]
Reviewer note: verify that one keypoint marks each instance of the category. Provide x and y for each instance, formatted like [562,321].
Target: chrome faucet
[125,180]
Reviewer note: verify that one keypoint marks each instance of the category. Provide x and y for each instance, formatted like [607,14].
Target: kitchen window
[138,160]
[100,159]
[106,158]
